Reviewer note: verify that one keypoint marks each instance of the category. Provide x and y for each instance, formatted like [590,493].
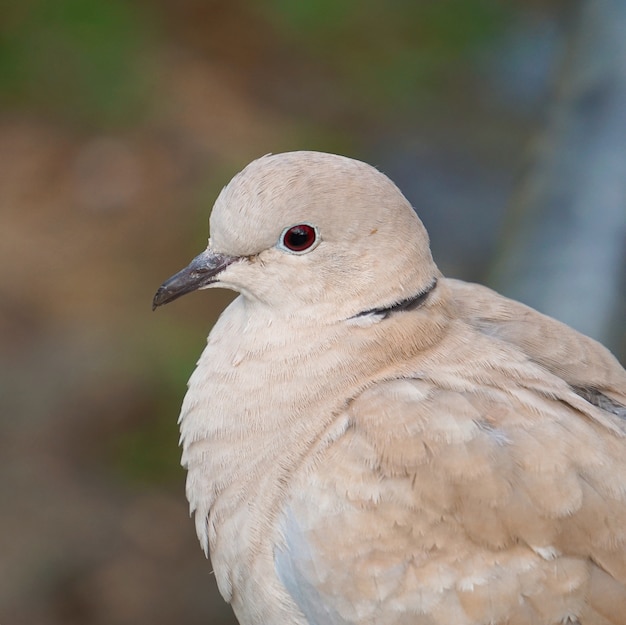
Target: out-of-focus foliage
[92,61]
[84,60]
[395,52]
[146,451]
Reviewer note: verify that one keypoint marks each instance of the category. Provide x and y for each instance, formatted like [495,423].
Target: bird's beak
[203,270]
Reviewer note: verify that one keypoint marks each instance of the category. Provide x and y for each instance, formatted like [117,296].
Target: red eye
[299,238]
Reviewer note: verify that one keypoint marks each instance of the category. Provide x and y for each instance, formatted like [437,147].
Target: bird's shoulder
[584,364]
[515,421]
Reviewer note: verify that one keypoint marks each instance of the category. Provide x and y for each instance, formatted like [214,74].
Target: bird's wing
[487,489]
[588,367]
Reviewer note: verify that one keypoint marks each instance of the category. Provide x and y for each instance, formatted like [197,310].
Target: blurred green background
[120,121]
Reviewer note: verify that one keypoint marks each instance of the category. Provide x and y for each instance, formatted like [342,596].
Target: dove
[370,442]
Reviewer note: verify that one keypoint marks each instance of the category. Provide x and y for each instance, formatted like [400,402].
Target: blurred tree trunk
[565,249]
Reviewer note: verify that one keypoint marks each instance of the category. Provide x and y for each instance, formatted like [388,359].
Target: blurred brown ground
[96,212]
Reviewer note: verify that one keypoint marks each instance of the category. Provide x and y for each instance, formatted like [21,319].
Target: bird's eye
[299,239]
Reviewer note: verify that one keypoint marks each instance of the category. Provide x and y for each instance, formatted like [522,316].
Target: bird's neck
[268,393]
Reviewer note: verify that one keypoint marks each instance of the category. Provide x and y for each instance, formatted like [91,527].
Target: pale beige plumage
[459,459]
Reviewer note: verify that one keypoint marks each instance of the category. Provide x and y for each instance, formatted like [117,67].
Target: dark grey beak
[204,269]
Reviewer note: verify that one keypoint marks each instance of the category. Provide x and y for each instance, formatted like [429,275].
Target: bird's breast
[245,439]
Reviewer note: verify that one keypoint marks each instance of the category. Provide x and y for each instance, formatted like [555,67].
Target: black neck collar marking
[411,303]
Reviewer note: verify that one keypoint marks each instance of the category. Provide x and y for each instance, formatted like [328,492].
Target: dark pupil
[299,238]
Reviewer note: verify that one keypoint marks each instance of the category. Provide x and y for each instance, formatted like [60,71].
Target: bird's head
[311,233]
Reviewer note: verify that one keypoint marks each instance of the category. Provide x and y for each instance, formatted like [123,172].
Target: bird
[370,442]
